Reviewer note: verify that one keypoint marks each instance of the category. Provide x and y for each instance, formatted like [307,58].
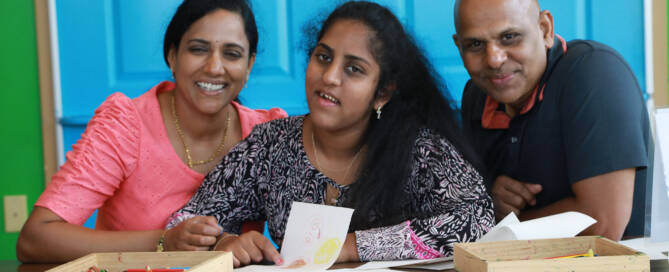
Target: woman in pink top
[142,159]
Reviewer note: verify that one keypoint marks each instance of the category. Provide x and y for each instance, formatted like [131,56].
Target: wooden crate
[197,261]
[530,255]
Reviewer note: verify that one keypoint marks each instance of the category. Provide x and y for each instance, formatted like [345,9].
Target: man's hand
[510,195]
[249,247]
[197,233]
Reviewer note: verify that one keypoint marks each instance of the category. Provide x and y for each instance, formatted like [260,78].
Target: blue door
[111,46]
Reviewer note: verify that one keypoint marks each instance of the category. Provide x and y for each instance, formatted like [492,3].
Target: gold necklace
[318,163]
[183,141]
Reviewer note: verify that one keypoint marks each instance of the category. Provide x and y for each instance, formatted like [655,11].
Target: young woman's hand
[197,233]
[349,252]
[250,247]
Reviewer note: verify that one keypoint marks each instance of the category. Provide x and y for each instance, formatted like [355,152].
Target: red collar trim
[495,118]
[563,42]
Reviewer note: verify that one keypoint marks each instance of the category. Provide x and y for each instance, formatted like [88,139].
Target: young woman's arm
[458,206]
[229,193]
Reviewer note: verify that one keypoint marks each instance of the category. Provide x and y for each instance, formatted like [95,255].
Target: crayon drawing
[326,253]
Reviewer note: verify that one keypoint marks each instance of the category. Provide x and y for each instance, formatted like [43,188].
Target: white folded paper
[562,225]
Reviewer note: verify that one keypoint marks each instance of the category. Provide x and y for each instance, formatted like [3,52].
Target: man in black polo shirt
[560,126]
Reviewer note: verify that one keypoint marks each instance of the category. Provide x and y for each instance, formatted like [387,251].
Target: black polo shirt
[586,117]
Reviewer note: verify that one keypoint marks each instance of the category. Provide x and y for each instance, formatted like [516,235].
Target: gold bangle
[161,243]
[224,236]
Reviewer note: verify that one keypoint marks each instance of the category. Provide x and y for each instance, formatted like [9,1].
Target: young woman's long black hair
[417,101]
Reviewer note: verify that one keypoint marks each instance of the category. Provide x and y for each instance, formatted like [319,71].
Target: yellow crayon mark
[327,251]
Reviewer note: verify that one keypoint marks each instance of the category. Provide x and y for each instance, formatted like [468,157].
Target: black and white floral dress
[261,177]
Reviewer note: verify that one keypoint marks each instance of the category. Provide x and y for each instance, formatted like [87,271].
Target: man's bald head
[530,6]
[503,45]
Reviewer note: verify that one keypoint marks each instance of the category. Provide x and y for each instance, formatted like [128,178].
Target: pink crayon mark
[295,264]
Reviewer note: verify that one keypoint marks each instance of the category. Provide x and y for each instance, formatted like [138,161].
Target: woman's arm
[426,238]
[106,153]
[47,238]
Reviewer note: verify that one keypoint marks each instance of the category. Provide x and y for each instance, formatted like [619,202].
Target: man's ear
[456,41]
[546,26]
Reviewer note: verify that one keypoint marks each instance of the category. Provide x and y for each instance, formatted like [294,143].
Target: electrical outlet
[16,212]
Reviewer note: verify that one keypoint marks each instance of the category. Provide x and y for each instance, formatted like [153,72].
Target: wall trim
[659,48]
[648,46]
[49,143]
[55,69]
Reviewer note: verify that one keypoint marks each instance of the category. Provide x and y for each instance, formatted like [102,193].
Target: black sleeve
[604,117]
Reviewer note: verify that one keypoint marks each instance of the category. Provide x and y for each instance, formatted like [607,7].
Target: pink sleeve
[249,118]
[276,113]
[105,155]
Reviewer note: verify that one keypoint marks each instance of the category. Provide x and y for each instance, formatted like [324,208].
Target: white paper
[495,234]
[434,264]
[659,219]
[430,264]
[562,225]
[646,245]
[366,270]
[387,264]
[662,140]
[314,236]
[255,268]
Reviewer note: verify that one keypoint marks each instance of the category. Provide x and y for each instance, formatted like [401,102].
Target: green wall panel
[21,170]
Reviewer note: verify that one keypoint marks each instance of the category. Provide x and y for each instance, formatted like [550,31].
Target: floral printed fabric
[262,176]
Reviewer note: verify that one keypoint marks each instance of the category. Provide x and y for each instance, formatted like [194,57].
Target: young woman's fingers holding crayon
[250,247]
[197,233]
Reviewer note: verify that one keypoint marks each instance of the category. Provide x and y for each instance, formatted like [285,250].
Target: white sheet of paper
[495,234]
[366,270]
[562,225]
[646,245]
[257,268]
[659,218]
[431,264]
[314,236]
[387,264]
[662,140]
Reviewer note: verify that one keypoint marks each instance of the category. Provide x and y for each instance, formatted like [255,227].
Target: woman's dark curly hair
[418,100]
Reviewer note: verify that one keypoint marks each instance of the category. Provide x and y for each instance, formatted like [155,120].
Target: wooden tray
[530,255]
[197,261]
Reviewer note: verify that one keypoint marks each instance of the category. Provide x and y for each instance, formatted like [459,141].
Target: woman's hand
[197,233]
[349,252]
[249,247]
